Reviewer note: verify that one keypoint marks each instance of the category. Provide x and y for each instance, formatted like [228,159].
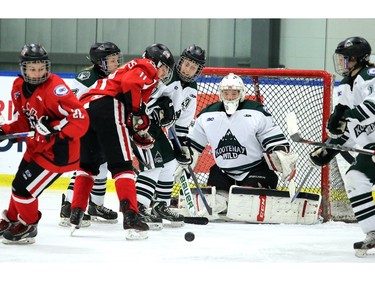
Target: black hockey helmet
[352,48]
[99,53]
[195,54]
[32,53]
[160,54]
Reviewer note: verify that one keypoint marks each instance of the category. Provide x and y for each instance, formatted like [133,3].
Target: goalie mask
[101,54]
[232,92]
[351,54]
[35,64]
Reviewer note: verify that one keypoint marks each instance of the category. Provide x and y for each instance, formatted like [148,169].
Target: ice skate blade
[23,241]
[73,228]
[65,222]
[154,226]
[362,253]
[133,234]
[101,220]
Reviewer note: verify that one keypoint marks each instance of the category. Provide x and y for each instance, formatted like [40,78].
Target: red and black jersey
[136,78]
[59,152]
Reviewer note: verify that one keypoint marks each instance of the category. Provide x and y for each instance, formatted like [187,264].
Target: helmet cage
[187,78]
[103,62]
[39,80]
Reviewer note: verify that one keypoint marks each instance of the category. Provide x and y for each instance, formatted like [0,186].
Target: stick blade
[291,123]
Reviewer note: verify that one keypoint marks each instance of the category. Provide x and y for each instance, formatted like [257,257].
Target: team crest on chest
[229,147]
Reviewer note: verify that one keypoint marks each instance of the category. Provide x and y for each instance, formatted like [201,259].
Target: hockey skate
[135,229]
[154,222]
[5,223]
[65,214]
[362,247]
[76,218]
[21,232]
[173,219]
[101,214]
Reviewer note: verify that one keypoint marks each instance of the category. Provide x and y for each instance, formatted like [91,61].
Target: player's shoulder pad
[253,105]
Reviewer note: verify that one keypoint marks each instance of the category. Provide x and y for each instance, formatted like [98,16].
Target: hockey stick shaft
[293,130]
[17,135]
[302,183]
[177,143]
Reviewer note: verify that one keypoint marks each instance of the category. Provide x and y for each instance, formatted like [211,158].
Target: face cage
[184,77]
[36,81]
[168,76]
[103,61]
[342,69]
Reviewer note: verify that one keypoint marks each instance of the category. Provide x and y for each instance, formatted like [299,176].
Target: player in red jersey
[116,106]
[44,104]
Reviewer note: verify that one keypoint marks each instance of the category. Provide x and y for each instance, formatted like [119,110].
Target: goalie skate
[361,248]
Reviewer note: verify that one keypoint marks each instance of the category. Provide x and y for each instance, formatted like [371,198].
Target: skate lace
[168,211]
[370,238]
[103,209]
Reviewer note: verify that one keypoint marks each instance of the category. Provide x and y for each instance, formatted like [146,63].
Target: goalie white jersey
[237,141]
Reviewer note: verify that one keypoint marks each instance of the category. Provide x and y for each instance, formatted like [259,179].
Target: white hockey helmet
[232,82]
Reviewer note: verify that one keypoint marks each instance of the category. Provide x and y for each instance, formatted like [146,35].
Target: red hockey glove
[143,140]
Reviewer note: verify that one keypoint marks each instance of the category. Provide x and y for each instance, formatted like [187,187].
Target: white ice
[220,250]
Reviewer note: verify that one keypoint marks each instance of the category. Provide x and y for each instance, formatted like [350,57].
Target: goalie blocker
[256,205]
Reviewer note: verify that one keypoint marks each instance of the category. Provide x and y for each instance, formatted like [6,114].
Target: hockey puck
[189,236]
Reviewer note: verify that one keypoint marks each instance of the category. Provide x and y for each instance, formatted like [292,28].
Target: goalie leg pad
[257,205]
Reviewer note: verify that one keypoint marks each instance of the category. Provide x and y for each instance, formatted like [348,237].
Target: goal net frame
[318,84]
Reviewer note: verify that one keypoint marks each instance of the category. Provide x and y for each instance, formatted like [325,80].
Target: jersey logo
[229,147]
[371,71]
[61,90]
[367,129]
[84,75]
[17,95]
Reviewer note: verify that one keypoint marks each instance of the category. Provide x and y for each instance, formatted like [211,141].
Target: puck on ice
[189,236]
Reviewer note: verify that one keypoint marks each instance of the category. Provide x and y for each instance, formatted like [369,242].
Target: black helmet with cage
[195,54]
[100,52]
[351,49]
[161,55]
[34,53]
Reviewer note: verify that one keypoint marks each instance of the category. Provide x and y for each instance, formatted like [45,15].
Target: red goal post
[306,92]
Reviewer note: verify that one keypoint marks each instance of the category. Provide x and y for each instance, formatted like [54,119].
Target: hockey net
[306,92]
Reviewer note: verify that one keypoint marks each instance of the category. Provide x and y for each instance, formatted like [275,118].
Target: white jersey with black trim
[184,101]
[359,95]
[237,141]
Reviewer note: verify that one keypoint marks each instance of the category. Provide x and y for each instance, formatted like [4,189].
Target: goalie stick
[194,219]
[302,184]
[17,135]
[292,125]
[178,145]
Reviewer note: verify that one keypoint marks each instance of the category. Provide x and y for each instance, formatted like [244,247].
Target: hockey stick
[302,183]
[17,135]
[178,145]
[194,219]
[291,120]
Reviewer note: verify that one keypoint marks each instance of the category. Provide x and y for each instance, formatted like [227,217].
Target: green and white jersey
[359,94]
[85,79]
[237,141]
[184,99]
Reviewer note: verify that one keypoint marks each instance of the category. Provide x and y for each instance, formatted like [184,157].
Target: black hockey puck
[189,236]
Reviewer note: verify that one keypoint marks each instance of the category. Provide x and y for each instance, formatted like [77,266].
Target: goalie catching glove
[282,162]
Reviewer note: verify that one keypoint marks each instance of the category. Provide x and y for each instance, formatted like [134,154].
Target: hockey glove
[282,162]
[181,168]
[143,140]
[336,124]
[322,156]
[162,111]
[44,128]
[138,121]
